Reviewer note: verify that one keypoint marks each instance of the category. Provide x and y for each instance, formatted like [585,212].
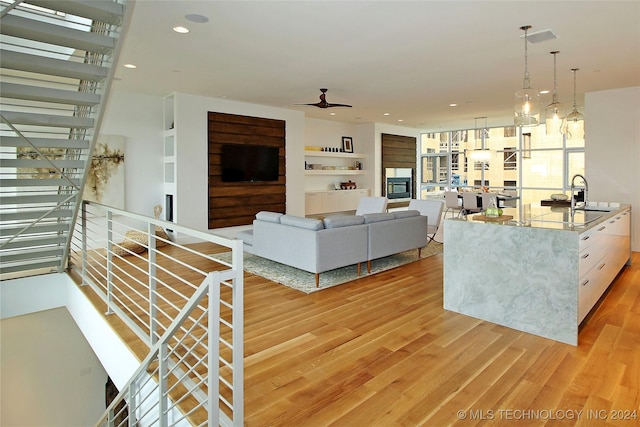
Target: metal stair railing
[57,59]
[182,301]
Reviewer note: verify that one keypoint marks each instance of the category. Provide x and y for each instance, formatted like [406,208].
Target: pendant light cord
[555,81]
[526,83]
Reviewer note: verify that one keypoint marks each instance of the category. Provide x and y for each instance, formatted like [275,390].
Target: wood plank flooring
[381,351]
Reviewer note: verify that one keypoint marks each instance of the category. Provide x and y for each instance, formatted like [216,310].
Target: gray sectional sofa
[317,246]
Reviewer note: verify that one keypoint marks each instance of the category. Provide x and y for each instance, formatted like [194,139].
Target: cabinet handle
[601,228]
[585,238]
[585,256]
[602,266]
[585,282]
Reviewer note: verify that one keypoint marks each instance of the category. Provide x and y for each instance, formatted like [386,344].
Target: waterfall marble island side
[540,273]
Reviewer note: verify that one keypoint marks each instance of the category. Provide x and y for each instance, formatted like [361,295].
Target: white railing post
[163,370]
[109,261]
[84,243]
[153,314]
[213,345]
[238,333]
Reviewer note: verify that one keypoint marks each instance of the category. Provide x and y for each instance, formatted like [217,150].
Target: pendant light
[554,111]
[527,100]
[483,154]
[573,126]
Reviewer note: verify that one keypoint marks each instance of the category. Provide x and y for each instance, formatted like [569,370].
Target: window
[510,159]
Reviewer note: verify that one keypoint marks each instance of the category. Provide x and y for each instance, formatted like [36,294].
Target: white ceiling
[408,58]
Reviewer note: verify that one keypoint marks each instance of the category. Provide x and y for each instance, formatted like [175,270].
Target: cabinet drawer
[588,257]
[591,286]
[313,203]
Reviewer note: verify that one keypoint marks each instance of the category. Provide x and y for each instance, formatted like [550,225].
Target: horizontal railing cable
[170,295]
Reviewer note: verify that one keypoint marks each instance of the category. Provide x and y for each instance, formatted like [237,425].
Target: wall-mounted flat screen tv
[249,163]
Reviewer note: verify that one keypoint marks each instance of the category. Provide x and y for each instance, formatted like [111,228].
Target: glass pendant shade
[527,100]
[527,107]
[573,124]
[554,111]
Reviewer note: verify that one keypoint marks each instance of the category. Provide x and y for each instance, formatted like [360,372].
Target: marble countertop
[550,217]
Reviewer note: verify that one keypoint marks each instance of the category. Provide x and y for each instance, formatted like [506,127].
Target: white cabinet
[312,203]
[330,168]
[603,251]
[318,202]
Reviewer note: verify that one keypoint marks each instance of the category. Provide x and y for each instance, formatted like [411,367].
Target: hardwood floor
[381,351]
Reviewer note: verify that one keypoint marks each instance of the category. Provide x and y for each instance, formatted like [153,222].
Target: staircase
[56,67]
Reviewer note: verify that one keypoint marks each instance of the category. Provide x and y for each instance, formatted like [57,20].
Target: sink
[580,219]
[596,208]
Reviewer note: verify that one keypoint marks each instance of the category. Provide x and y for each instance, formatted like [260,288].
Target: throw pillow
[342,221]
[297,221]
[377,217]
[269,216]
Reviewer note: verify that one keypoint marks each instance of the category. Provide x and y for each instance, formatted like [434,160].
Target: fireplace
[398,183]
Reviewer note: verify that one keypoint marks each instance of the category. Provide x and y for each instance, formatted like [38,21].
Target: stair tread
[51,66]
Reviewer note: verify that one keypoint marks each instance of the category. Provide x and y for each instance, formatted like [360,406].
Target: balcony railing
[183,301]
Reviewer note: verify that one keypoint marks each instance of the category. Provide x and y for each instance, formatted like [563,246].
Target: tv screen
[249,163]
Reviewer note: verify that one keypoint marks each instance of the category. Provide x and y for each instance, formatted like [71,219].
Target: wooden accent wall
[236,203]
[399,152]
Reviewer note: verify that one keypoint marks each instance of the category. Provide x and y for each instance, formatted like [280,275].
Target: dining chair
[486,200]
[432,209]
[470,203]
[452,202]
[371,204]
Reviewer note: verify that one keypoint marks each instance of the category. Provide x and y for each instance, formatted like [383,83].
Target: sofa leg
[317,280]
[419,252]
[369,266]
[358,269]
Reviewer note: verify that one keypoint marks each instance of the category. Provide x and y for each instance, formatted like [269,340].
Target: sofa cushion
[406,214]
[246,236]
[300,222]
[377,217]
[269,216]
[337,221]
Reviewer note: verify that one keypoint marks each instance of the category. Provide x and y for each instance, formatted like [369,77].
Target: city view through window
[519,161]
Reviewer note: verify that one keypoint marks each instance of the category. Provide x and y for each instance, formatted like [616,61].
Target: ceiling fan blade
[323,102]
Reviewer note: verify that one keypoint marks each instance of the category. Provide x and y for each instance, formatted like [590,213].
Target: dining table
[503,200]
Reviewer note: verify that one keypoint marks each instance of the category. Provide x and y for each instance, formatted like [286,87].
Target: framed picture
[347,144]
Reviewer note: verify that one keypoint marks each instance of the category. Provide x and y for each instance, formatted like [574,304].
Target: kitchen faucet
[573,187]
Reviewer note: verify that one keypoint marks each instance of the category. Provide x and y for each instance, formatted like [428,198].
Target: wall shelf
[333,154]
[334,172]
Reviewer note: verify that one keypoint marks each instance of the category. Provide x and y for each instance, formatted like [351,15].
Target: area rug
[303,281]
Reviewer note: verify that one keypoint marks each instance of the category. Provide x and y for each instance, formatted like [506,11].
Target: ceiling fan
[323,102]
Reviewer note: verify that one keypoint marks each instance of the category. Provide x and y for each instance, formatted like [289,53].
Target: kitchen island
[538,269]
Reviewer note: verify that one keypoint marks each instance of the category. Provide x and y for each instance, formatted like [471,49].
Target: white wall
[612,150]
[50,375]
[22,297]
[139,118]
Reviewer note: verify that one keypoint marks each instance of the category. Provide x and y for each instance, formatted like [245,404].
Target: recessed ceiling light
[332,114]
[129,66]
[453,105]
[387,114]
[194,17]
[544,92]
[400,120]
[181,30]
